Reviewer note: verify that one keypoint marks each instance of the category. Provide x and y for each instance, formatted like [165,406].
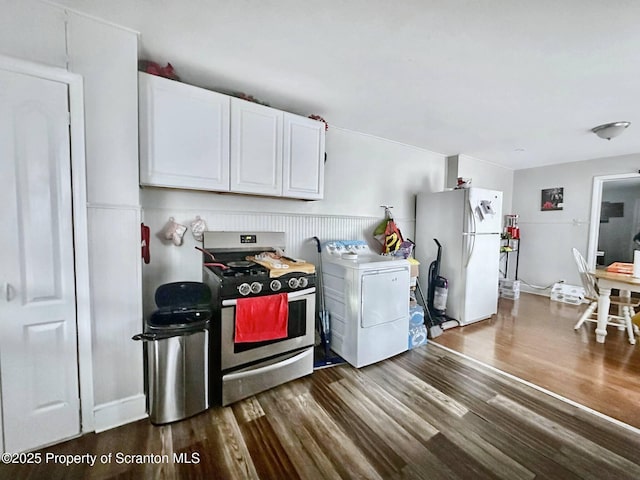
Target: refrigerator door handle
[471,243]
[474,225]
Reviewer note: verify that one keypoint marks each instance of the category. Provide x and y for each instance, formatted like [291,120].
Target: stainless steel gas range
[262,330]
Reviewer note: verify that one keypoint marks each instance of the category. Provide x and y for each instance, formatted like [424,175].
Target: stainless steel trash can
[178,376]
[177,352]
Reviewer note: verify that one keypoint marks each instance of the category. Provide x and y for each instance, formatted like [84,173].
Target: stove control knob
[303,282]
[275,285]
[256,287]
[293,283]
[244,289]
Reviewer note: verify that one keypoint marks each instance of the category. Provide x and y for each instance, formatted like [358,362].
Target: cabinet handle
[7,291]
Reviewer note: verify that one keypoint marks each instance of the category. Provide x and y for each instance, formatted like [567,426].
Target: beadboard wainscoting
[171,263]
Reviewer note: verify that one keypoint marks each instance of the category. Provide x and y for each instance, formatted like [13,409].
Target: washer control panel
[347,249]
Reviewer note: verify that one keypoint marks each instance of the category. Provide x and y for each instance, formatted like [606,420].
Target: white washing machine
[367,296]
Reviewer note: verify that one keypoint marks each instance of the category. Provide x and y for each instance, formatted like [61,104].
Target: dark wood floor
[533,338]
[427,413]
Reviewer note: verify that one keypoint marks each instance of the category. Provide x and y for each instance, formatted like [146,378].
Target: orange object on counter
[620,267]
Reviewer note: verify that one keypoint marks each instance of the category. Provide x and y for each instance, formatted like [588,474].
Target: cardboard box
[414,272]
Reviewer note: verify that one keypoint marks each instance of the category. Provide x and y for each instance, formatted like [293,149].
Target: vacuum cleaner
[433,328]
[437,293]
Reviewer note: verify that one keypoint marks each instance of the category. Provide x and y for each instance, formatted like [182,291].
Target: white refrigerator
[467,222]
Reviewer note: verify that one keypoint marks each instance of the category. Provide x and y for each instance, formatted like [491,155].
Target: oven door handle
[291,295]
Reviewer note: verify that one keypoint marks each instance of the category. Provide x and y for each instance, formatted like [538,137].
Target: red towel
[262,318]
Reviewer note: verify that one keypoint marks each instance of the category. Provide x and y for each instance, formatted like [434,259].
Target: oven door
[302,307]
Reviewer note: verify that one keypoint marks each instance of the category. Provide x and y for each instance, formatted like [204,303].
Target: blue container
[416,316]
[417,336]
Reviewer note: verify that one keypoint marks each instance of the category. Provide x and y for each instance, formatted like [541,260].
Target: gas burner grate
[253,272]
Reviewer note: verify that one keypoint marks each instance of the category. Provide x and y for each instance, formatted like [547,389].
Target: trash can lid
[182,294]
[169,317]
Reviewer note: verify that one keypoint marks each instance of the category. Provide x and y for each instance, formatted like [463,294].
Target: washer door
[385,296]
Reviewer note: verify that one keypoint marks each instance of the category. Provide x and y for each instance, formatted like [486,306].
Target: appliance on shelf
[467,222]
[511,225]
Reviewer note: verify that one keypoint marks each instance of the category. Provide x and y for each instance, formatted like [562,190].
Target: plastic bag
[392,237]
[388,233]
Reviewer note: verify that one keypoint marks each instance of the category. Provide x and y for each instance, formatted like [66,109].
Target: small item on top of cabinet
[320,119]
[249,98]
[154,68]
[174,231]
[463,183]
[198,227]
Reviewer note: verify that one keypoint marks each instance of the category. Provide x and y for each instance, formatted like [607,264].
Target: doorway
[46,382]
[608,241]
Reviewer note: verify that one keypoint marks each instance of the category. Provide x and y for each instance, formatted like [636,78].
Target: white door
[480,294]
[256,148]
[385,296]
[303,158]
[38,343]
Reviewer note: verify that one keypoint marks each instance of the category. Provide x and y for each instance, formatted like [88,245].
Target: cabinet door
[256,148]
[184,135]
[303,158]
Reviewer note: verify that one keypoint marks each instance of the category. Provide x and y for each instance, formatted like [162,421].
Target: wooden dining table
[626,283]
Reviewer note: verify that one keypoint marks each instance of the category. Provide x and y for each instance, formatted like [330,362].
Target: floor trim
[540,389]
[120,412]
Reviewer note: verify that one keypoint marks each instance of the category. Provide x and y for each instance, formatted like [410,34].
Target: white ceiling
[515,82]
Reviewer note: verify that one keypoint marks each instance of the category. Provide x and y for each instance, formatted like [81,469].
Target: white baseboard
[534,291]
[120,412]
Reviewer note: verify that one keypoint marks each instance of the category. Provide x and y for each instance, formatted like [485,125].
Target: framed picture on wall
[552,199]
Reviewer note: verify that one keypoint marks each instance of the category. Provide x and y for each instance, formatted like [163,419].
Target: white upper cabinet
[184,135]
[275,153]
[256,148]
[303,158]
[194,138]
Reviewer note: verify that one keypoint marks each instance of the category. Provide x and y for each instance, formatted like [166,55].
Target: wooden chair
[625,305]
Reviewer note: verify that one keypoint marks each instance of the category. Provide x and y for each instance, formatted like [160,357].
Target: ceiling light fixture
[610,130]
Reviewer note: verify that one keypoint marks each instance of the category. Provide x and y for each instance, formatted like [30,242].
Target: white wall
[483,174]
[549,236]
[107,58]
[361,173]
[32,30]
